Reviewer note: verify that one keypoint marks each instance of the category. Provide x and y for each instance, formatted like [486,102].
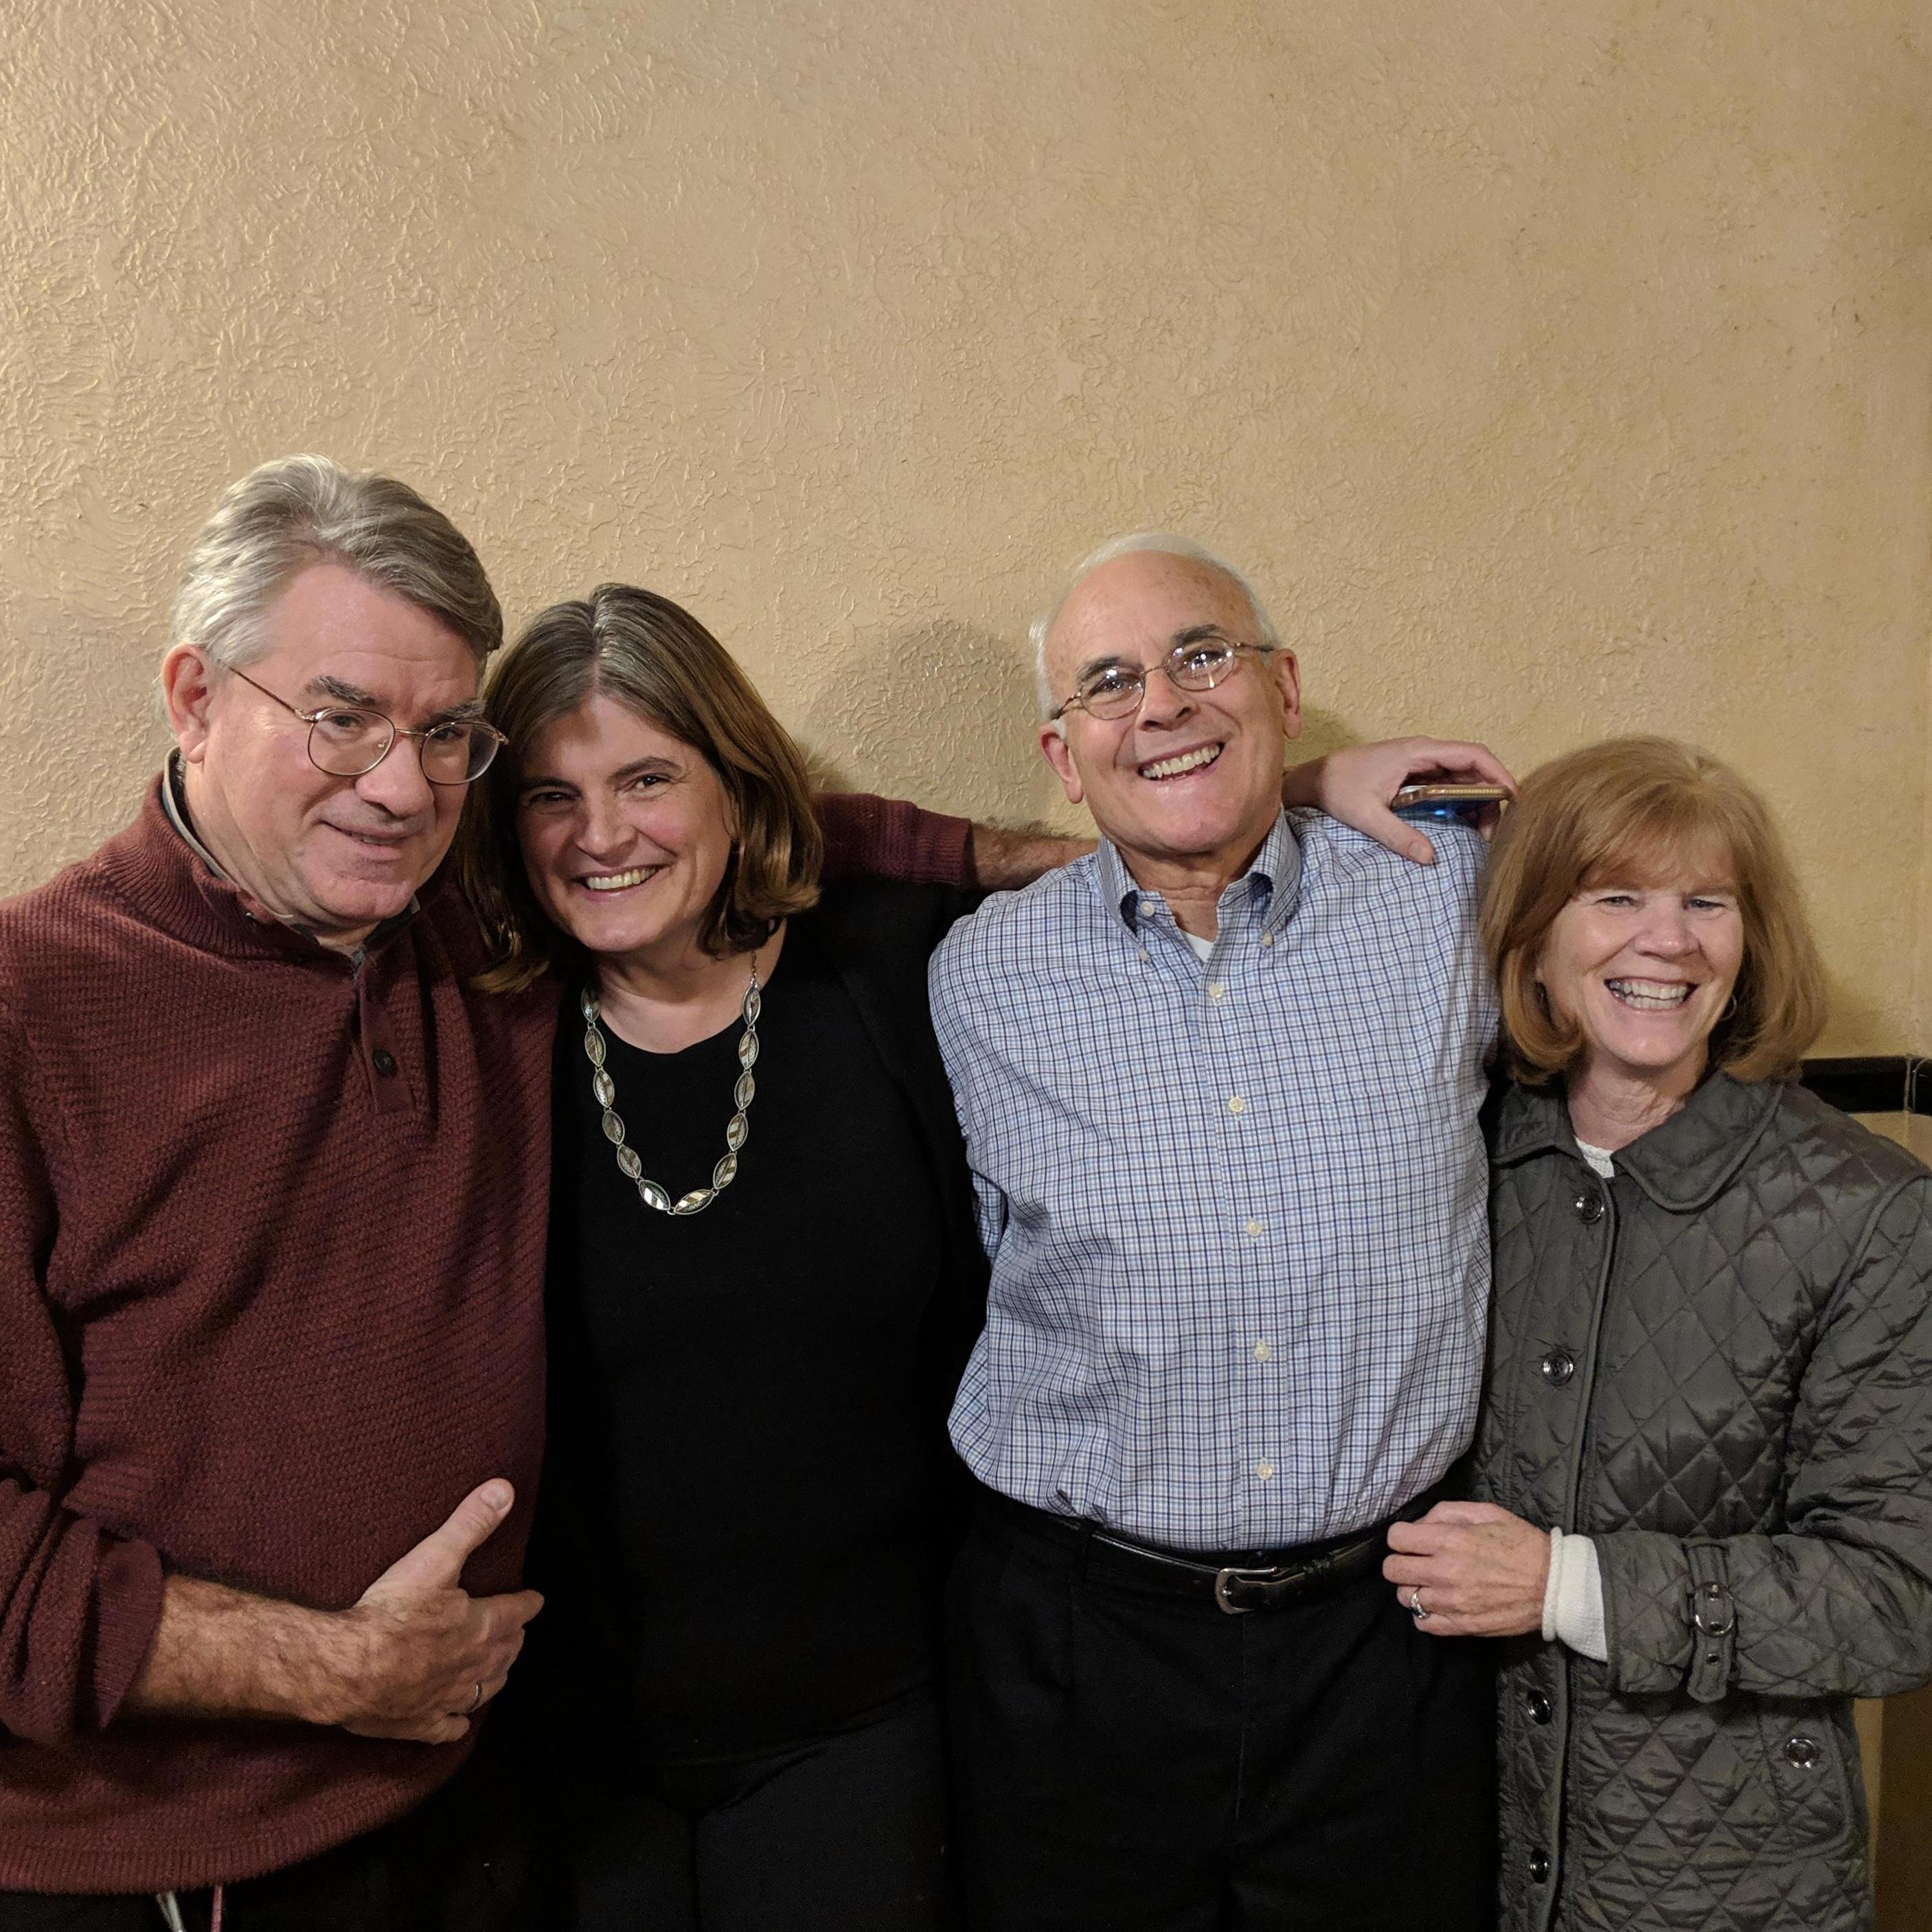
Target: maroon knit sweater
[272,1239]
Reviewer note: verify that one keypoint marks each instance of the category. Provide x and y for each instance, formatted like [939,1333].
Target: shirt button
[1539,1707]
[1143,952]
[1539,1866]
[386,1061]
[1146,908]
[1263,1471]
[1589,1205]
[1558,1366]
[1215,990]
[1268,939]
[1253,1229]
[1236,1104]
[1262,1351]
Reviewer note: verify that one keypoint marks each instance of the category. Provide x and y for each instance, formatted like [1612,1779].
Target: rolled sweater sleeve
[1839,1603]
[891,838]
[78,1605]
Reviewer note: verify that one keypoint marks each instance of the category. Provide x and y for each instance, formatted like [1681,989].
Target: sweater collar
[1682,1165]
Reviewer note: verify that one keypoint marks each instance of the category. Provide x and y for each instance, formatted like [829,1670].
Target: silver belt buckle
[1222,1578]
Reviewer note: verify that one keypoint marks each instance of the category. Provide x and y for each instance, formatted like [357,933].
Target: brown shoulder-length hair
[657,660]
[1636,811]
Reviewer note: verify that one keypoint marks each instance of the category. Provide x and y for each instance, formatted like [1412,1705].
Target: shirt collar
[1269,888]
[174,802]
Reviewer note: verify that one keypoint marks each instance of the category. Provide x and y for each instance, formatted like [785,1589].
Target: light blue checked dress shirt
[1236,1211]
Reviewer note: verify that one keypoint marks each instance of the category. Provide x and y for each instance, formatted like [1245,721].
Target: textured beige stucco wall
[1559,370]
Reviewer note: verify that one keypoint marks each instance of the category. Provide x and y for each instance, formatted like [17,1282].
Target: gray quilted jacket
[1718,1366]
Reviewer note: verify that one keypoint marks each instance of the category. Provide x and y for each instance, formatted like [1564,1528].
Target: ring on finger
[476,1702]
[1415,1609]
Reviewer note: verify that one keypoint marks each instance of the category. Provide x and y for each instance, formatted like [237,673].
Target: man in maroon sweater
[272,1189]
[273,1183]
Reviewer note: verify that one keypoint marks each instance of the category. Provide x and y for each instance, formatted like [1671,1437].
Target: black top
[747,1404]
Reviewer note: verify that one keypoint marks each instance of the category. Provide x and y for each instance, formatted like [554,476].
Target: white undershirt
[1599,1158]
[1202,947]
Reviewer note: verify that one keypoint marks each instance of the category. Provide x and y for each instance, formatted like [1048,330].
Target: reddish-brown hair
[1637,811]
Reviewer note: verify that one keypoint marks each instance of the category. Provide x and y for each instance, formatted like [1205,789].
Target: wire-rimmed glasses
[1198,663]
[346,740]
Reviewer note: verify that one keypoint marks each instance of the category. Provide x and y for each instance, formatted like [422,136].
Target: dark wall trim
[1891,1083]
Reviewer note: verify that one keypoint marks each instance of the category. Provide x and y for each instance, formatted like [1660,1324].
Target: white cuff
[1572,1599]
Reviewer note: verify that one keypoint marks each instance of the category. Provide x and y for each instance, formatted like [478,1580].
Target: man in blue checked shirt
[1219,1083]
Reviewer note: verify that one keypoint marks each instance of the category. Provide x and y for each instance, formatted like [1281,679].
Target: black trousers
[1126,1761]
[459,1863]
[846,1834]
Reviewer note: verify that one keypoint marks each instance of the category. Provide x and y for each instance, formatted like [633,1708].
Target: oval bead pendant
[737,1132]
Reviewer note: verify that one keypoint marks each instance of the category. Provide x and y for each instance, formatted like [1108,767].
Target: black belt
[1242,1581]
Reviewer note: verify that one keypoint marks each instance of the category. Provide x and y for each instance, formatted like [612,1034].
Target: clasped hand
[421,1655]
[1482,1571]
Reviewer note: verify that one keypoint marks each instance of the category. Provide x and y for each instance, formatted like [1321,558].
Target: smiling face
[1193,779]
[333,856]
[1646,971]
[624,831]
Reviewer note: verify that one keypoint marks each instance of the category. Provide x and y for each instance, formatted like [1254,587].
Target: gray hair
[301,510]
[1160,543]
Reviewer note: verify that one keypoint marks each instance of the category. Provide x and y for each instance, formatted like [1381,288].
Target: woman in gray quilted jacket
[1704,1469]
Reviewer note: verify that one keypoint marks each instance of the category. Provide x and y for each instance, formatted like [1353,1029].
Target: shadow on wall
[940,712]
[1322,732]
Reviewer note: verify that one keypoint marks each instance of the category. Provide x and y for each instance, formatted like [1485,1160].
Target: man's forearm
[222,1653]
[1003,859]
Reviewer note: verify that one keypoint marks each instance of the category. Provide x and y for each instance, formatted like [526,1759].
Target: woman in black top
[763,1283]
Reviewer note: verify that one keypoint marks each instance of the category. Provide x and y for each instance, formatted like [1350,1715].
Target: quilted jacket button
[1802,1751]
[1539,1707]
[1558,1366]
[1589,1206]
[1539,1866]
